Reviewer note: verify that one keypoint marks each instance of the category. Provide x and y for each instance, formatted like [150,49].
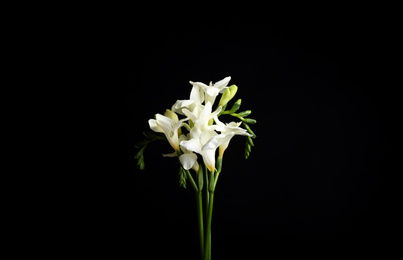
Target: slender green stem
[192,182]
[209,216]
[207,255]
[200,221]
[206,194]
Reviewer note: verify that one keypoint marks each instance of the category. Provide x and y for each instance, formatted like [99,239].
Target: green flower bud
[250,142]
[236,106]
[245,113]
[228,94]
[249,121]
[249,130]
[172,115]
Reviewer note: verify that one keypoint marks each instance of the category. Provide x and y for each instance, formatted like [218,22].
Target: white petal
[166,129]
[179,124]
[160,118]
[154,126]
[209,98]
[209,159]
[207,135]
[188,160]
[212,91]
[197,94]
[196,166]
[200,84]
[192,145]
[181,104]
[189,114]
[204,116]
[216,112]
[217,140]
[220,124]
[222,83]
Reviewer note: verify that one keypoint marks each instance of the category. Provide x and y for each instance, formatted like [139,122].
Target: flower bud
[249,121]
[244,113]
[228,94]
[236,106]
[171,115]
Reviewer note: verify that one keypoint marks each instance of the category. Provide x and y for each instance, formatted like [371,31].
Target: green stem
[206,194]
[192,182]
[207,252]
[199,203]
[209,216]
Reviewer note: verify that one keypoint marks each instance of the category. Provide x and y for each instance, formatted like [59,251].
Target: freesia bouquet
[195,139]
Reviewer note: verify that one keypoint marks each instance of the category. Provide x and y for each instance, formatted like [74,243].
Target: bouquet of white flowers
[195,139]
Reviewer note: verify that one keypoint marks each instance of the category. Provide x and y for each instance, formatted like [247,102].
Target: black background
[317,170]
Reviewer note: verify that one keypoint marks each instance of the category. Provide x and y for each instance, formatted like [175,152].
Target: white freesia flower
[229,129]
[168,126]
[201,133]
[192,104]
[188,159]
[212,91]
[202,138]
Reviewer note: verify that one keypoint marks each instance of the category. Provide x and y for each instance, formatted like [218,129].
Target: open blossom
[194,103]
[201,133]
[230,129]
[203,137]
[211,91]
[188,159]
[200,93]
[168,126]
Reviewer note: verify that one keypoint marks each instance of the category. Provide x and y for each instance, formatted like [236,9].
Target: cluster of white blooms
[205,132]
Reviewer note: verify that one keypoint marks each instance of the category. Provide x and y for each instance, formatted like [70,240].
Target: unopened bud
[236,106]
[249,121]
[228,94]
[172,115]
[244,113]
